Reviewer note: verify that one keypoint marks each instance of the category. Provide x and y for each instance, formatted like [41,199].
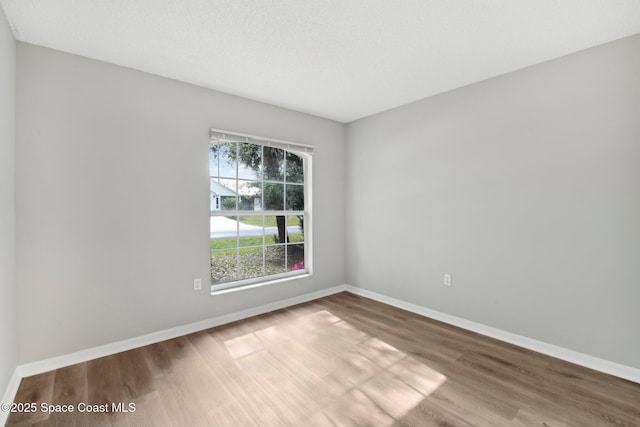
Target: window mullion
[237,209]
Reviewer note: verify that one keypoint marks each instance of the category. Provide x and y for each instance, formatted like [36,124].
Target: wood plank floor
[343,360]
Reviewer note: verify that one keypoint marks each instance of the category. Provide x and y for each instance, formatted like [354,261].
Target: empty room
[323,213]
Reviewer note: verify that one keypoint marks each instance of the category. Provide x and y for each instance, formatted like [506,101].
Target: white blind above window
[220,137]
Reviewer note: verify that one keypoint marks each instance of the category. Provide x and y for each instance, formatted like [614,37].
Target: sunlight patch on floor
[355,378]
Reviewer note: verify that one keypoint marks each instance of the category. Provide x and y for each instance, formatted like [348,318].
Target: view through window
[259,201]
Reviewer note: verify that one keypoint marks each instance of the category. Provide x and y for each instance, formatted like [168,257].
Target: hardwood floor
[343,360]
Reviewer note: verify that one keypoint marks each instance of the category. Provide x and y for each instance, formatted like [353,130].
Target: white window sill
[257,285]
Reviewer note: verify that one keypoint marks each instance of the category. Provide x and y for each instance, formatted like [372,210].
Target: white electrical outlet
[197,284]
[447,280]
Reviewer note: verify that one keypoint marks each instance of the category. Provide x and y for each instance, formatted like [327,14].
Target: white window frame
[301,150]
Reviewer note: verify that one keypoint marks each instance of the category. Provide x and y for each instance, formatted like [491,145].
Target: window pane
[256,221]
[213,160]
[273,163]
[224,231]
[295,168]
[251,263]
[271,230]
[227,190]
[273,196]
[251,231]
[251,240]
[250,195]
[274,259]
[295,228]
[275,226]
[295,197]
[223,266]
[279,232]
[295,257]
[224,243]
[227,163]
[250,156]
[221,190]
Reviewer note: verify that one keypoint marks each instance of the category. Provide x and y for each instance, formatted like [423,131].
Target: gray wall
[8,337]
[112,200]
[525,187]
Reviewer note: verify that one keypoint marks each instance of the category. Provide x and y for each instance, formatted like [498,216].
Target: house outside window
[260,209]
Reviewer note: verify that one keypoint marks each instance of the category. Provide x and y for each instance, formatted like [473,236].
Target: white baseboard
[34,368]
[46,365]
[606,366]
[10,394]
[58,362]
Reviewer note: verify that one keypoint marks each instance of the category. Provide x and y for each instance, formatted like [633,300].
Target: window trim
[303,151]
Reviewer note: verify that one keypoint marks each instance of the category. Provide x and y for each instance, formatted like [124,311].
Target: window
[260,209]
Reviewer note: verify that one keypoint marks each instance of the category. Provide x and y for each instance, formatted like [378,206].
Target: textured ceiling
[340,59]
